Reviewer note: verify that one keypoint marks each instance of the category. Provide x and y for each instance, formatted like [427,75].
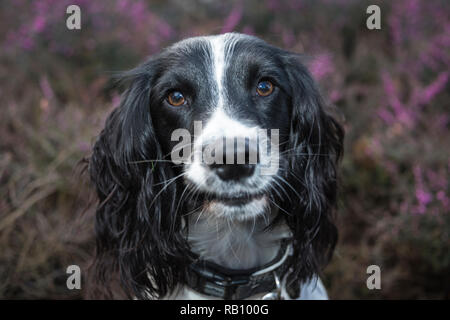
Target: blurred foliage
[390,85]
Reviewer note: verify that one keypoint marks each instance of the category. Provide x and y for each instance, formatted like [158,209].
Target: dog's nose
[241,167]
[235,172]
[238,162]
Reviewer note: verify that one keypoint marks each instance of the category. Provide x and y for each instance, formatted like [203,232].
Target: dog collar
[230,284]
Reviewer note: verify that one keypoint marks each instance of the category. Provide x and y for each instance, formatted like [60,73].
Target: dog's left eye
[264,88]
[176,98]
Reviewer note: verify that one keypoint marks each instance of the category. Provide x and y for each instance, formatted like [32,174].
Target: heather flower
[321,66]
[233,19]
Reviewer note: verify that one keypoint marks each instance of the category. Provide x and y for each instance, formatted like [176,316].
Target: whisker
[276,205]
[181,199]
[165,187]
[282,189]
[170,180]
[289,185]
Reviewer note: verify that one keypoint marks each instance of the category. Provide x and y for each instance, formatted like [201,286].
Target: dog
[193,229]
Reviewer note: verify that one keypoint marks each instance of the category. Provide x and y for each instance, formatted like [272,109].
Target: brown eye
[264,88]
[176,99]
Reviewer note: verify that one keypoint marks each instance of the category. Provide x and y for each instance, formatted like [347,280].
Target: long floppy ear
[314,148]
[137,234]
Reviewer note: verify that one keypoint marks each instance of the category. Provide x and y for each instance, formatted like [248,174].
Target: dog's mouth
[236,200]
[239,205]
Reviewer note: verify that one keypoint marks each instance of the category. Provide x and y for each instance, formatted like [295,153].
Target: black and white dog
[192,229]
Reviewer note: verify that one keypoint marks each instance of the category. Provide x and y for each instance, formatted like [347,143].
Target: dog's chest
[236,245]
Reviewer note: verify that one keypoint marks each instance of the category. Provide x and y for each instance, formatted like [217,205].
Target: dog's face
[233,86]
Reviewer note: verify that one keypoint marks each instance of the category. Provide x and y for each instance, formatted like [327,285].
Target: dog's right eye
[176,99]
[264,88]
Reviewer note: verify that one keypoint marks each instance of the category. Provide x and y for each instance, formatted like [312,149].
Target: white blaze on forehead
[218,54]
[220,123]
[222,47]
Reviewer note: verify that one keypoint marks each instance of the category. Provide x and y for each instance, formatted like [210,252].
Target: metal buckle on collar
[276,294]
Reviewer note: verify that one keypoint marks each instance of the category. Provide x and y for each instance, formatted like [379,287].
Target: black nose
[240,165]
[236,172]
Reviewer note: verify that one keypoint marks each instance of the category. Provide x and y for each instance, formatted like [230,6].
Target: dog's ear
[314,148]
[136,230]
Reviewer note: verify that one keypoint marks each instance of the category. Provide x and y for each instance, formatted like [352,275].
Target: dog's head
[227,125]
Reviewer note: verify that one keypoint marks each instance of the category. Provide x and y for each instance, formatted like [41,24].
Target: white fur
[218,53]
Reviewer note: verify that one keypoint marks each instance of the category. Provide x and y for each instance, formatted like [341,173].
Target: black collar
[211,279]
